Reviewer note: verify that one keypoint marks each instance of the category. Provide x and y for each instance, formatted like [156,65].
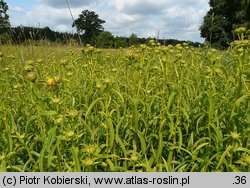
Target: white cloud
[63,4]
[174,18]
[16,9]
[62,28]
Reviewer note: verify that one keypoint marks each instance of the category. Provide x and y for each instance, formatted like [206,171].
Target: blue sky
[176,19]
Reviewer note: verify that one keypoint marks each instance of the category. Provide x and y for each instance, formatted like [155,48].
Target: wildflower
[28,68]
[31,76]
[134,157]
[98,85]
[98,51]
[132,56]
[151,42]
[73,113]
[57,79]
[39,60]
[18,85]
[56,100]
[90,148]
[29,62]
[240,30]
[59,119]
[2,157]
[247,159]
[6,69]
[185,44]
[157,51]
[107,80]
[51,83]
[143,47]
[88,162]
[179,47]
[114,69]
[234,135]
[63,62]
[70,134]
[69,73]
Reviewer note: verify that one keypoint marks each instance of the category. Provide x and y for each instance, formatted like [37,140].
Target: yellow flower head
[51,83]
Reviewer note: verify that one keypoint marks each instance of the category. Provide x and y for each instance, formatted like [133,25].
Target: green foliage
[90,24]
[133,40]
[4,17]
[222,18]
[121,42]
[145,108]
[4,38]
[105,40]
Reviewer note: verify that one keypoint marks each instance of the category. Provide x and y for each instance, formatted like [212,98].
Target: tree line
[28,35]
[218,27]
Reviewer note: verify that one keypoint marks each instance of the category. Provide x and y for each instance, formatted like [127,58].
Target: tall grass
[149,108]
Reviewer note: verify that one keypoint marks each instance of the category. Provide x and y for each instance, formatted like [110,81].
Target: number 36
[240,180]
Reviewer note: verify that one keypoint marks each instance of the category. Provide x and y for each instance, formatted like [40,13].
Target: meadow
[149,108]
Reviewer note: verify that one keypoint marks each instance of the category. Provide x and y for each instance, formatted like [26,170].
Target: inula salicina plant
[150,108]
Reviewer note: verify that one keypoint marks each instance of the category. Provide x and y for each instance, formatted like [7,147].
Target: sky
[169,19]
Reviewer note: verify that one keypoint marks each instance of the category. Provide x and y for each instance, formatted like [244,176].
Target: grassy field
[146,109]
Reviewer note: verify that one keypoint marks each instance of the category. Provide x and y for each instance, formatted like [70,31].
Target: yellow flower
[51,83]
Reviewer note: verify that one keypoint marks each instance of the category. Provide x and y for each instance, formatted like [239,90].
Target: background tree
[4,17]
[89,24]
[222,18]
[121,42]
[133,39]
[105,40]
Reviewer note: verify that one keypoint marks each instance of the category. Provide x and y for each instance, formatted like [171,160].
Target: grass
[145,109]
